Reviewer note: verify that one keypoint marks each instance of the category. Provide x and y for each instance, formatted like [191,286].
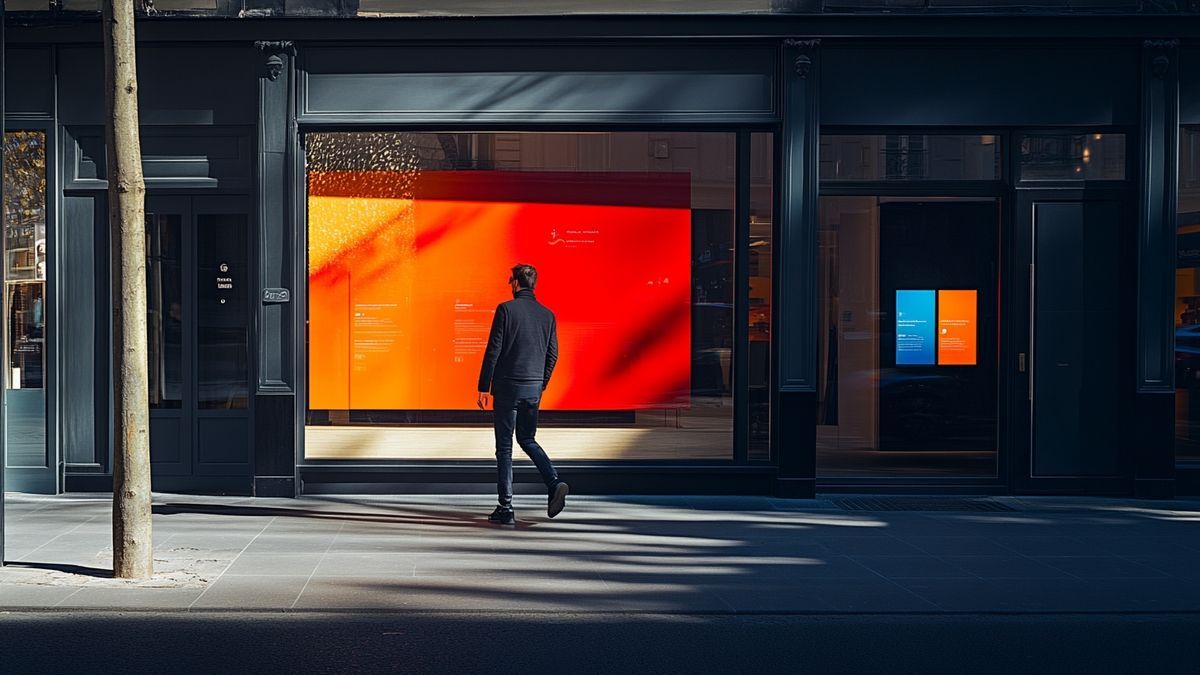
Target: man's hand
[484,400]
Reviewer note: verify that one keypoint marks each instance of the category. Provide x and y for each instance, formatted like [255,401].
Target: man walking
[521,352]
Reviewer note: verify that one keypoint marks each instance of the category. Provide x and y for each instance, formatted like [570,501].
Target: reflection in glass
[25,310]
[1187,301]
[164,310]
[410,238]
[26,335]
[895,396]
[762,201]
[909,157]
[221,310]
[1073,157]
[25,257]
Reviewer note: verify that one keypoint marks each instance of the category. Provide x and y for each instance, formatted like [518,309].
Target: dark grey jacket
[522,348]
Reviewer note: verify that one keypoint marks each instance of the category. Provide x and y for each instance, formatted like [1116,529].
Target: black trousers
[518,411]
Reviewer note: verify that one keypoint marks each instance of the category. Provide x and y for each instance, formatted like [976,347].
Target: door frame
[47,479]
[1021,325]
[189,474]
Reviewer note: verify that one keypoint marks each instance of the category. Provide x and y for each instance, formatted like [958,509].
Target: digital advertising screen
[957,328]
[405,272]
[915,328]
[936,327]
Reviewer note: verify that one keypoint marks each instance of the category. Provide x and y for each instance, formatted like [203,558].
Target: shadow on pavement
[97,572]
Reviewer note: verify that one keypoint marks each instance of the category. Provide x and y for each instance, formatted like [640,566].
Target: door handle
[1021,362]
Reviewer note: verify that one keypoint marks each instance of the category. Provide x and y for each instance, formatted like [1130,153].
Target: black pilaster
[1153,446]
[795,436]
[274,437]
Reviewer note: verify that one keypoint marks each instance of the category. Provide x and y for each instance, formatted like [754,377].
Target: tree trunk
[132,547]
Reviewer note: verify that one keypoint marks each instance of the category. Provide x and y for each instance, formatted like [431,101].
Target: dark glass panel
[1073,157]
[909,157]
[762,240]
[908,327]
[222,311]
[164,310]
[1187,301]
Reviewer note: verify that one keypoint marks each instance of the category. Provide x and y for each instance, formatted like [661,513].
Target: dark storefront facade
[790,252]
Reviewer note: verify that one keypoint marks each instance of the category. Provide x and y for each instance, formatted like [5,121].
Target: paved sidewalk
[655,554]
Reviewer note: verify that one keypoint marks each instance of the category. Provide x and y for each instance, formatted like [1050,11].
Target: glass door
[30,461]
[1074,344]
[197,273]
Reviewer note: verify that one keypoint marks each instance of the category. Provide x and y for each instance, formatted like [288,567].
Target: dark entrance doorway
[198,318]
[1073,282]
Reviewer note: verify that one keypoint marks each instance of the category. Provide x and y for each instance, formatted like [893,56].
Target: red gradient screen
[406,270]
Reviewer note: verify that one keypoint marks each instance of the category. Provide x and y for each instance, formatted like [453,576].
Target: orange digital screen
[405,272]
[957,340]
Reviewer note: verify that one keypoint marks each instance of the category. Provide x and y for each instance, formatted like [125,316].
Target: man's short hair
[524,275]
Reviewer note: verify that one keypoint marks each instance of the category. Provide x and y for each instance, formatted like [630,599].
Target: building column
[795,348]
[1153,437]
[275,390]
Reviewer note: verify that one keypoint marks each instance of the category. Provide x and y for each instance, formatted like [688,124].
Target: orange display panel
[405,272]
[957,328]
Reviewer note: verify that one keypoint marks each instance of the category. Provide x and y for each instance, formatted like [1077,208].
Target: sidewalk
[655,554]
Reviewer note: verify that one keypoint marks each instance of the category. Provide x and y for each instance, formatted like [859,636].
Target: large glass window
[25,296]
[909,157]
[1073,157]
[908,337]
[410,241]
[1187,301]
[761,259]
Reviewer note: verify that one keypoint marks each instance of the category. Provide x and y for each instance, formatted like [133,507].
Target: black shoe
[503,516]
[558,499]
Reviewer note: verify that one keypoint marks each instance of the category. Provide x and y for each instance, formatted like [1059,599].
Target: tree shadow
[443,517]
[82,570]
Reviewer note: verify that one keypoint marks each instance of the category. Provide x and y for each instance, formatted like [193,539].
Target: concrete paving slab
[124,598]
[1051,545]
[13,595]
[1178,566]
[274,564]
[341,564]
[957,545]
[871,595]
[869,545]
[449,593]
[289,543]
[912,567]
[258,592]
[1006,566]
[1101,567]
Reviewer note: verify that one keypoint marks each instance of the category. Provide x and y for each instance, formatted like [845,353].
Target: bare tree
[132,547]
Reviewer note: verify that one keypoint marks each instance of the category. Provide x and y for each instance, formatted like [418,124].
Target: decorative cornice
[804,59]
[274,52]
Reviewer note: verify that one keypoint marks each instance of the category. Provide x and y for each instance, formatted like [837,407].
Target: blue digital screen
[916,342]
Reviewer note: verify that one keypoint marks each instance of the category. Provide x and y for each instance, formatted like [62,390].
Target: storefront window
[1187,300]
[908,337]
[25,296]
[1073,157]
[762,218]
[909,157]
[410,240]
